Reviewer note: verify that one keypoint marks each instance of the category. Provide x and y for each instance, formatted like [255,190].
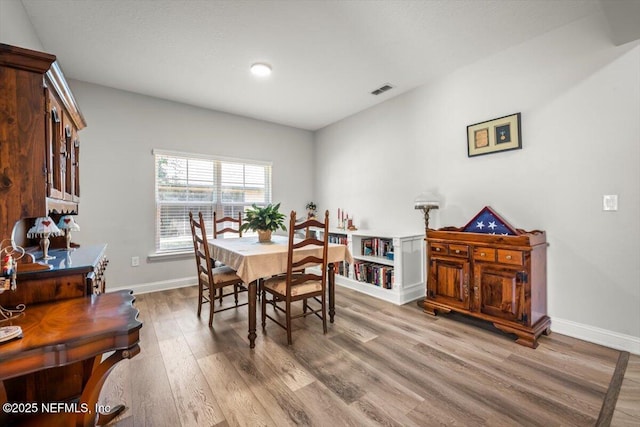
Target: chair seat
[220,275]
[278,285]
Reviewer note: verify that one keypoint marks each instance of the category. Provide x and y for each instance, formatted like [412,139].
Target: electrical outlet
[135,261]
[610,202]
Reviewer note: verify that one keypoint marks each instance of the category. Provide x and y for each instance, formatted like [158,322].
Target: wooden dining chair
[236,224]
[210,278]
[300,283]
[221,226]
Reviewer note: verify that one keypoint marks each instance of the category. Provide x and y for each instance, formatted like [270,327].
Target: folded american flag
[487,221]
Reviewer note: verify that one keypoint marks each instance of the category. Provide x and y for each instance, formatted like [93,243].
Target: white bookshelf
[407,263]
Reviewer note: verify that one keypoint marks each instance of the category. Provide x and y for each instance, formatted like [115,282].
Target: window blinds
[199,183]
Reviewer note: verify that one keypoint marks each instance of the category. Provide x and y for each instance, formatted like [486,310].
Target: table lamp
[426,202]
[43,228]
[68,224]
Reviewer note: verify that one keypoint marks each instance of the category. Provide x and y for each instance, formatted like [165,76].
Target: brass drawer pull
[482,254]
[457,251]
[508,257]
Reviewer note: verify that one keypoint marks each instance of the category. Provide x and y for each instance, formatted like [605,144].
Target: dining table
[253,260]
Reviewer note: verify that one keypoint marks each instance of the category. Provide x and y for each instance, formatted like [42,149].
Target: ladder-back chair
[211,278]
[299,283]
[221,226]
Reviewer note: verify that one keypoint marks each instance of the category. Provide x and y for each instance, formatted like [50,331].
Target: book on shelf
[340,239]
[342,268]
[375,246]
[375,274]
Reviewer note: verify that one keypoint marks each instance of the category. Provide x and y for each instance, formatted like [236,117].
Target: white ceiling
[327,56]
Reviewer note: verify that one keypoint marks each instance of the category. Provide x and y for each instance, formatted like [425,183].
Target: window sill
[169,256]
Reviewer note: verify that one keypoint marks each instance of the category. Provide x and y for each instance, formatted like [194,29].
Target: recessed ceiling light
[261,69]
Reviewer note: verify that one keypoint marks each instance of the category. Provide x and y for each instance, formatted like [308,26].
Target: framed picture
[495,135]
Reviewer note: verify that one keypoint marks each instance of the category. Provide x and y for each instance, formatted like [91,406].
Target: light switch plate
[610,202]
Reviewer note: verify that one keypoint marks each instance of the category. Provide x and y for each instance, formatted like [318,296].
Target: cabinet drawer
[459,250]
[438,248]
[510,257]
[484,254]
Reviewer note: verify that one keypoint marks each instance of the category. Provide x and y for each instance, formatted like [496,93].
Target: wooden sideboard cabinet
[39,145]
[501,279]
[76,273]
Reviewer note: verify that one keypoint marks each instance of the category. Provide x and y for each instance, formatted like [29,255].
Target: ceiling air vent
[382,89]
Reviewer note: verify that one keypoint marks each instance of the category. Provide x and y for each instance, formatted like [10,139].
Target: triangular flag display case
[487,221]
[492,271]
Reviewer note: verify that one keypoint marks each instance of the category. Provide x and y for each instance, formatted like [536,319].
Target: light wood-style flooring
[379,364]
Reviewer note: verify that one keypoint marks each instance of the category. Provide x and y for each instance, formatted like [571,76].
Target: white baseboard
[596,335]
[162,285]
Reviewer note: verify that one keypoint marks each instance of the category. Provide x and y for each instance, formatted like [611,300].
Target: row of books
[376,247]
[342,268]
[338,238]
[376,274]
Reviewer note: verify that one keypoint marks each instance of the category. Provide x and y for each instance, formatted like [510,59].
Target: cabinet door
[499,291]
[55,148]
[448,282]
[76,168]
[70,154]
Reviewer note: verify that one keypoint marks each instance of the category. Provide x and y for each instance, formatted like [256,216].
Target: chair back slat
[235,227]
[307,260]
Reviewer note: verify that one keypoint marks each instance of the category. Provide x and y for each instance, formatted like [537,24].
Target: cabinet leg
[527,341]
[428,308]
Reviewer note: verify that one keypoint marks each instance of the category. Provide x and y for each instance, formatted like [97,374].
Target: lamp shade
[426,200]
[43,226]
[67,222]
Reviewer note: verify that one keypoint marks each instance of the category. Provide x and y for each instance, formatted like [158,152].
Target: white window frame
[182,241]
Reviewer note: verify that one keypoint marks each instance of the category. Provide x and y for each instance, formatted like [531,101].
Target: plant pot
[264,236]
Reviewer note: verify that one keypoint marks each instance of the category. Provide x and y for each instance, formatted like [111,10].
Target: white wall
[15,27]
[580,102]
[117,171]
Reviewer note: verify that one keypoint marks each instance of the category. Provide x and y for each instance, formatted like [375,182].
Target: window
[199,183]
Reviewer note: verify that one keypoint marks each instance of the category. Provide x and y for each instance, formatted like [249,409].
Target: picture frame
[492,136]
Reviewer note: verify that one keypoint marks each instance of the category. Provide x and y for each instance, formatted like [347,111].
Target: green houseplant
[311,210]
[263,220]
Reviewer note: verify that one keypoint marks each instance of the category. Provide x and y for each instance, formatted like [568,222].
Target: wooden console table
[64,341]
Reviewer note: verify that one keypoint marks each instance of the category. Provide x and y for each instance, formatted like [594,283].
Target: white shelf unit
[407,263]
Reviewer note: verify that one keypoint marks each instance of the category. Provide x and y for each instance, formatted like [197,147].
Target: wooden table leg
[93,387]
[252,313]
[332,292]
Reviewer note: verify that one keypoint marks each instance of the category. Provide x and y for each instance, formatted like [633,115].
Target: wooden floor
[379,364]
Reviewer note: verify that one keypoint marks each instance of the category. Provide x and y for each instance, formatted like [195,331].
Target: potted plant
[263,220]
[311,210]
